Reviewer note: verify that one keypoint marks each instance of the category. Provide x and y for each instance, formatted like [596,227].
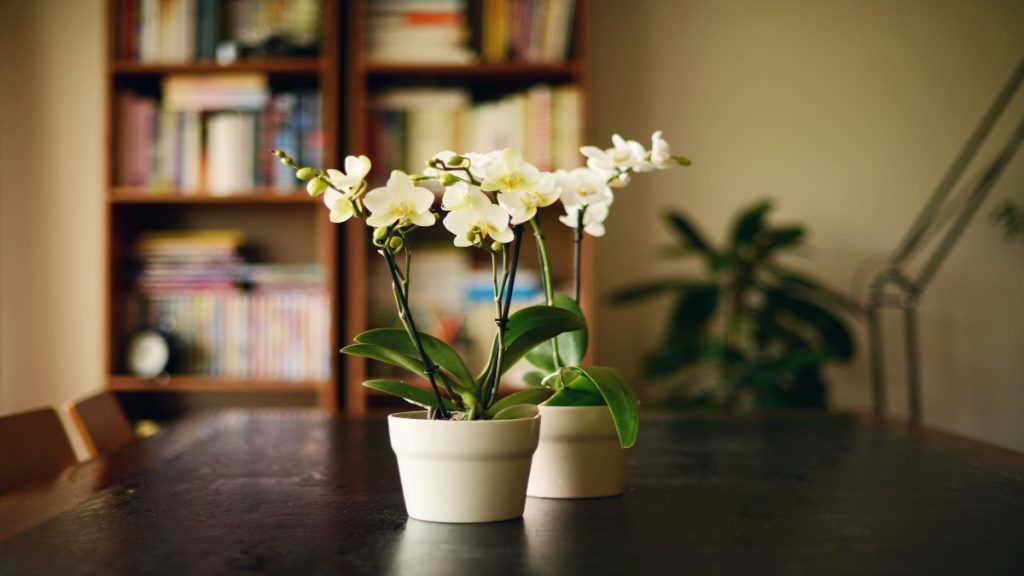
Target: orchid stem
[491,391]
[577,243]
[545,269]
[429,368]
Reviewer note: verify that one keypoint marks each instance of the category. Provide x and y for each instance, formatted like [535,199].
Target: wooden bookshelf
[290,222]
[274,215]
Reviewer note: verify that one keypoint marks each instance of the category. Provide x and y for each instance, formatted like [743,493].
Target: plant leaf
[543,357]
[688,233]
[408,392]
[567,397]
[572,346]
[621,401]
[796,282]
[533,378]
[689,323]
[532,325]
[771,240]
[532,396]
[748,224]
[653,287]
[830,329]
[516,412]
[374,352]
[397,340]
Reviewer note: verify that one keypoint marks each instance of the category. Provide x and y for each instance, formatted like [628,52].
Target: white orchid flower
[462,195]
[583,187]
[478,221]
[478,163]
[339,204]
[522,203]
[593,218]
[356,169]
[623,155]
[661,157]
[508,173]
[399,201]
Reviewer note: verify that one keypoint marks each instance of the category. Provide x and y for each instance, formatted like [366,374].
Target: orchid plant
[487,202]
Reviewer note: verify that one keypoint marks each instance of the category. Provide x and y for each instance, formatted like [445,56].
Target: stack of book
[212,133]
[190,281]
[185,261]
[407,127]
[526,30]
[184,30]
[418,31]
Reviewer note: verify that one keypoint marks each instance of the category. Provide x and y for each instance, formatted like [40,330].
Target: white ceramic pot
[579,455]
[463,471]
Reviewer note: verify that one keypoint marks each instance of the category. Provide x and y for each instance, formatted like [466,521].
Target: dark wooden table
[299,493]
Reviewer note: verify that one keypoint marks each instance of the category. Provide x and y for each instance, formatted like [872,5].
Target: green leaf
[749,224]
[688,233]
[532,325]
[690,320]
[533,378]
[830,329]
[796,282]
[532,396]
[408,392]
[543,357]
[516,412]
[398,341]
[770,240]
[382,354]
[572,346]
[621,401]
[652,288]
[567,397]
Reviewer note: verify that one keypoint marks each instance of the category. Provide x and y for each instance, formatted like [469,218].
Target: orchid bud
[305,173]
[447,179]
[456,160]
[395,244]
[379,234]
[495,246]
[316,187]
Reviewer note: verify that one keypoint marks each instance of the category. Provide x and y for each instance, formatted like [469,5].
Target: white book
[149,38]
[192,150]
[567,127]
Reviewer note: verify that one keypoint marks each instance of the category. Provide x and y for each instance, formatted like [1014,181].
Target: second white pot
[463,471]
[579,455]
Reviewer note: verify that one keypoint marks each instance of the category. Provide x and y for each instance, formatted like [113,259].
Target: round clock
[149,353]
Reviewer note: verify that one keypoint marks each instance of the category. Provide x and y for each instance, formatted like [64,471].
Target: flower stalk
[503,299]
[429,368]
[577,243]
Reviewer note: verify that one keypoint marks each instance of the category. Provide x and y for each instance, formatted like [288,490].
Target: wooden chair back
[33,447]
[101,423]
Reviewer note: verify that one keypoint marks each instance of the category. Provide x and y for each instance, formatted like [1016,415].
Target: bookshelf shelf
[533,71]
[124,383]
[136,195]
[281,66]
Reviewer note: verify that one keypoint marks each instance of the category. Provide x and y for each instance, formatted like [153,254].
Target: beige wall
[51,155]
[847,113]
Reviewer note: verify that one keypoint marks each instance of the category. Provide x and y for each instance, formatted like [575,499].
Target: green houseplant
[488,200]
[756,329]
